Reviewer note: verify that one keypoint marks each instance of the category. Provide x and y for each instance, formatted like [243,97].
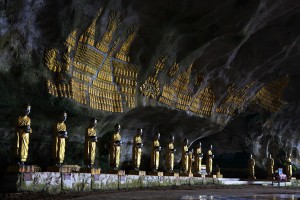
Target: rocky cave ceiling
[222,72]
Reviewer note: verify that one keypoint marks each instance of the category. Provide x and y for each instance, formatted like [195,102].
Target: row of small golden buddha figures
[23,130]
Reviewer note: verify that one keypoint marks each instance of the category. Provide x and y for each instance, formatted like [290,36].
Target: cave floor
[183,192]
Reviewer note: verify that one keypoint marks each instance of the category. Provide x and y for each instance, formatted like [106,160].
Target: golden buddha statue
[185,156]
[270,167]
[137,149]
[23,130]
[115,150]
[170,154]
[156,148]
[198,158]
[209,160]
[251,167]
[90,143]
[288,167]
[190,161]
[60,135]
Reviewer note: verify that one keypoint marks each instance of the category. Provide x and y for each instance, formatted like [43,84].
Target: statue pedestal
[219,175]
[118,172]
[199,175]
[137,172]
[90,170]
[186,174]
[21,169]
[156,173]
[171,174]
[64,168]
[291,178]
[211,176]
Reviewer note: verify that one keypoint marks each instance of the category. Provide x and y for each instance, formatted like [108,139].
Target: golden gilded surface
[269,97]
[199,80]
[96,78]
[176,94]
[270,167]
[190,162]
[234,99]
[203,102]
[185,158]
[173,69]
[90,146]
[137,151]
[289,167]
[115,150]
[209,161]
[155,155]
[150,88]
[124,50]
[114,21]
[251,168]
[22,142]
[170,157]
[59,142]
[198,159]
[51,60]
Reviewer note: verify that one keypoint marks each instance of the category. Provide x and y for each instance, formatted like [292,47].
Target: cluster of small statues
[24,130]
[270,167]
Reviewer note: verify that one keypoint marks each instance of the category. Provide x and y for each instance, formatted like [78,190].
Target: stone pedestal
[211,176]
[137,172]
[155,173]
[219,175]
[199,175]
[186,174]
[171,174]
[117,172]
[64,169]
[90,170]
[22,169]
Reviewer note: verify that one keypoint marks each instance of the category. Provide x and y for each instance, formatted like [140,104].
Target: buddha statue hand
[118,143]
[158,148]
[63,134]
[25,128]
[28,129]
[139,145]
[93,138]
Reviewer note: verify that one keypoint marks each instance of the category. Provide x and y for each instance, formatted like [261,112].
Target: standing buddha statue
[156,148]
[190,161]
[170,154]
[90,143]
[115,150]
[209,160]
[270,167]
[60,135]
[137,149]
[251,167]
[198,158]
[185,156]
[288,167]
[23,130]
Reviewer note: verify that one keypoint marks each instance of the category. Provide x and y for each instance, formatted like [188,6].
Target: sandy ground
[184,193]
